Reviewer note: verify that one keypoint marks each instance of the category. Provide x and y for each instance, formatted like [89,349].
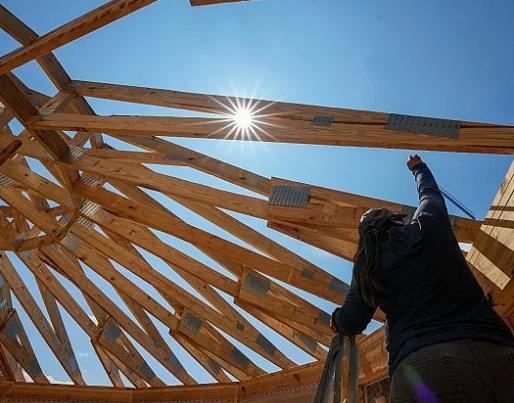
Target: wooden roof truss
[97,215]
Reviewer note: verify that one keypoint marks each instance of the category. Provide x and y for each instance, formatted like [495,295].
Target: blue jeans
[463,371]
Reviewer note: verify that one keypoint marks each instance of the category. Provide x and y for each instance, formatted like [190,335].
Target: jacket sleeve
[431,201]
[354,316]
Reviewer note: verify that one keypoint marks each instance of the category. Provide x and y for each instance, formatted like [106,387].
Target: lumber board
[70,31]
[482,139]
[492,253]
[142,214]
[218,104]
[12,96]
[67,360]
[15,340]
[51,66]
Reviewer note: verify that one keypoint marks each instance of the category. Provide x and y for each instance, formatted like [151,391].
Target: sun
[243,118]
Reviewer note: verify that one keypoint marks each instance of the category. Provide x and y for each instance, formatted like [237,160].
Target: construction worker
[445,341]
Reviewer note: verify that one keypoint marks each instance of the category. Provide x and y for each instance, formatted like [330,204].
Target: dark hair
[367,264]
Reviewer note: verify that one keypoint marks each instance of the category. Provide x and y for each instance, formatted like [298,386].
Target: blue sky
[438,58]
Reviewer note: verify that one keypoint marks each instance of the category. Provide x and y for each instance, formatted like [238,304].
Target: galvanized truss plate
[265,344]
[256,285]
[324,121]
[76,152]
[89,208]
[6,182]
[192,322]
[309,342]
[289,196]
[71,241]
[338,286]
[85,222]
[239,357]
[421,125]
[89,180]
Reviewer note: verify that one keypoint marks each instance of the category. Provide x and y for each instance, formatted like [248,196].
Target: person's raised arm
[355,314]
[431,200]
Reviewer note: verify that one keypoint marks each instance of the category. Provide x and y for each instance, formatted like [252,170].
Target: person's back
[437,314]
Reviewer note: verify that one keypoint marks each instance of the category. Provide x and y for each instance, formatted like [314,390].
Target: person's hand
[413,162]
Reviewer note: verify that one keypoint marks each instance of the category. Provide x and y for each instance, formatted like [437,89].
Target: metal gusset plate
[289,196]
[421,125]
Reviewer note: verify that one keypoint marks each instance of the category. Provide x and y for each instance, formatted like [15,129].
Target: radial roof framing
[96,214]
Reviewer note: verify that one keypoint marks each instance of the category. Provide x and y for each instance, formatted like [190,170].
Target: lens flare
[243,118]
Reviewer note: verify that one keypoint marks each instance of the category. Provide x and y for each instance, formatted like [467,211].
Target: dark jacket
[433,295]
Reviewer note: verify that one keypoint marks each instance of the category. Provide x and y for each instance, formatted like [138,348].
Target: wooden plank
[218,104]
[145,177]
[15,340]
[253,237]
[179,297]
[70,31]
[67,360]
[12,96]
[301,340]
[465,229]
[108,339]
[110,368]
[83,283]
[483,139]
[202,333]
[211,366]
[137,212]
[111,362]
[203,288]
[8,151]
[53,69]
[220,169]
[11,367]
[76,312]
[492,252]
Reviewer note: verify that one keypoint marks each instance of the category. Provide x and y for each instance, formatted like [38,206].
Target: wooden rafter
[76,221]
[70,31]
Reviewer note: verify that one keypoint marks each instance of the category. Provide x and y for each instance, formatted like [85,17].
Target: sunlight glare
[243,118]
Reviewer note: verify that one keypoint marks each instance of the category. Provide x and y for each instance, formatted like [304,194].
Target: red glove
[413,162]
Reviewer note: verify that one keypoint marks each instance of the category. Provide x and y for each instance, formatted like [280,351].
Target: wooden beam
[492,253]
[67,360]
[14,338]
[53,69]
[479,139]
[70,31]
[218,104]
[220,169]
[138,212]
[12,96]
